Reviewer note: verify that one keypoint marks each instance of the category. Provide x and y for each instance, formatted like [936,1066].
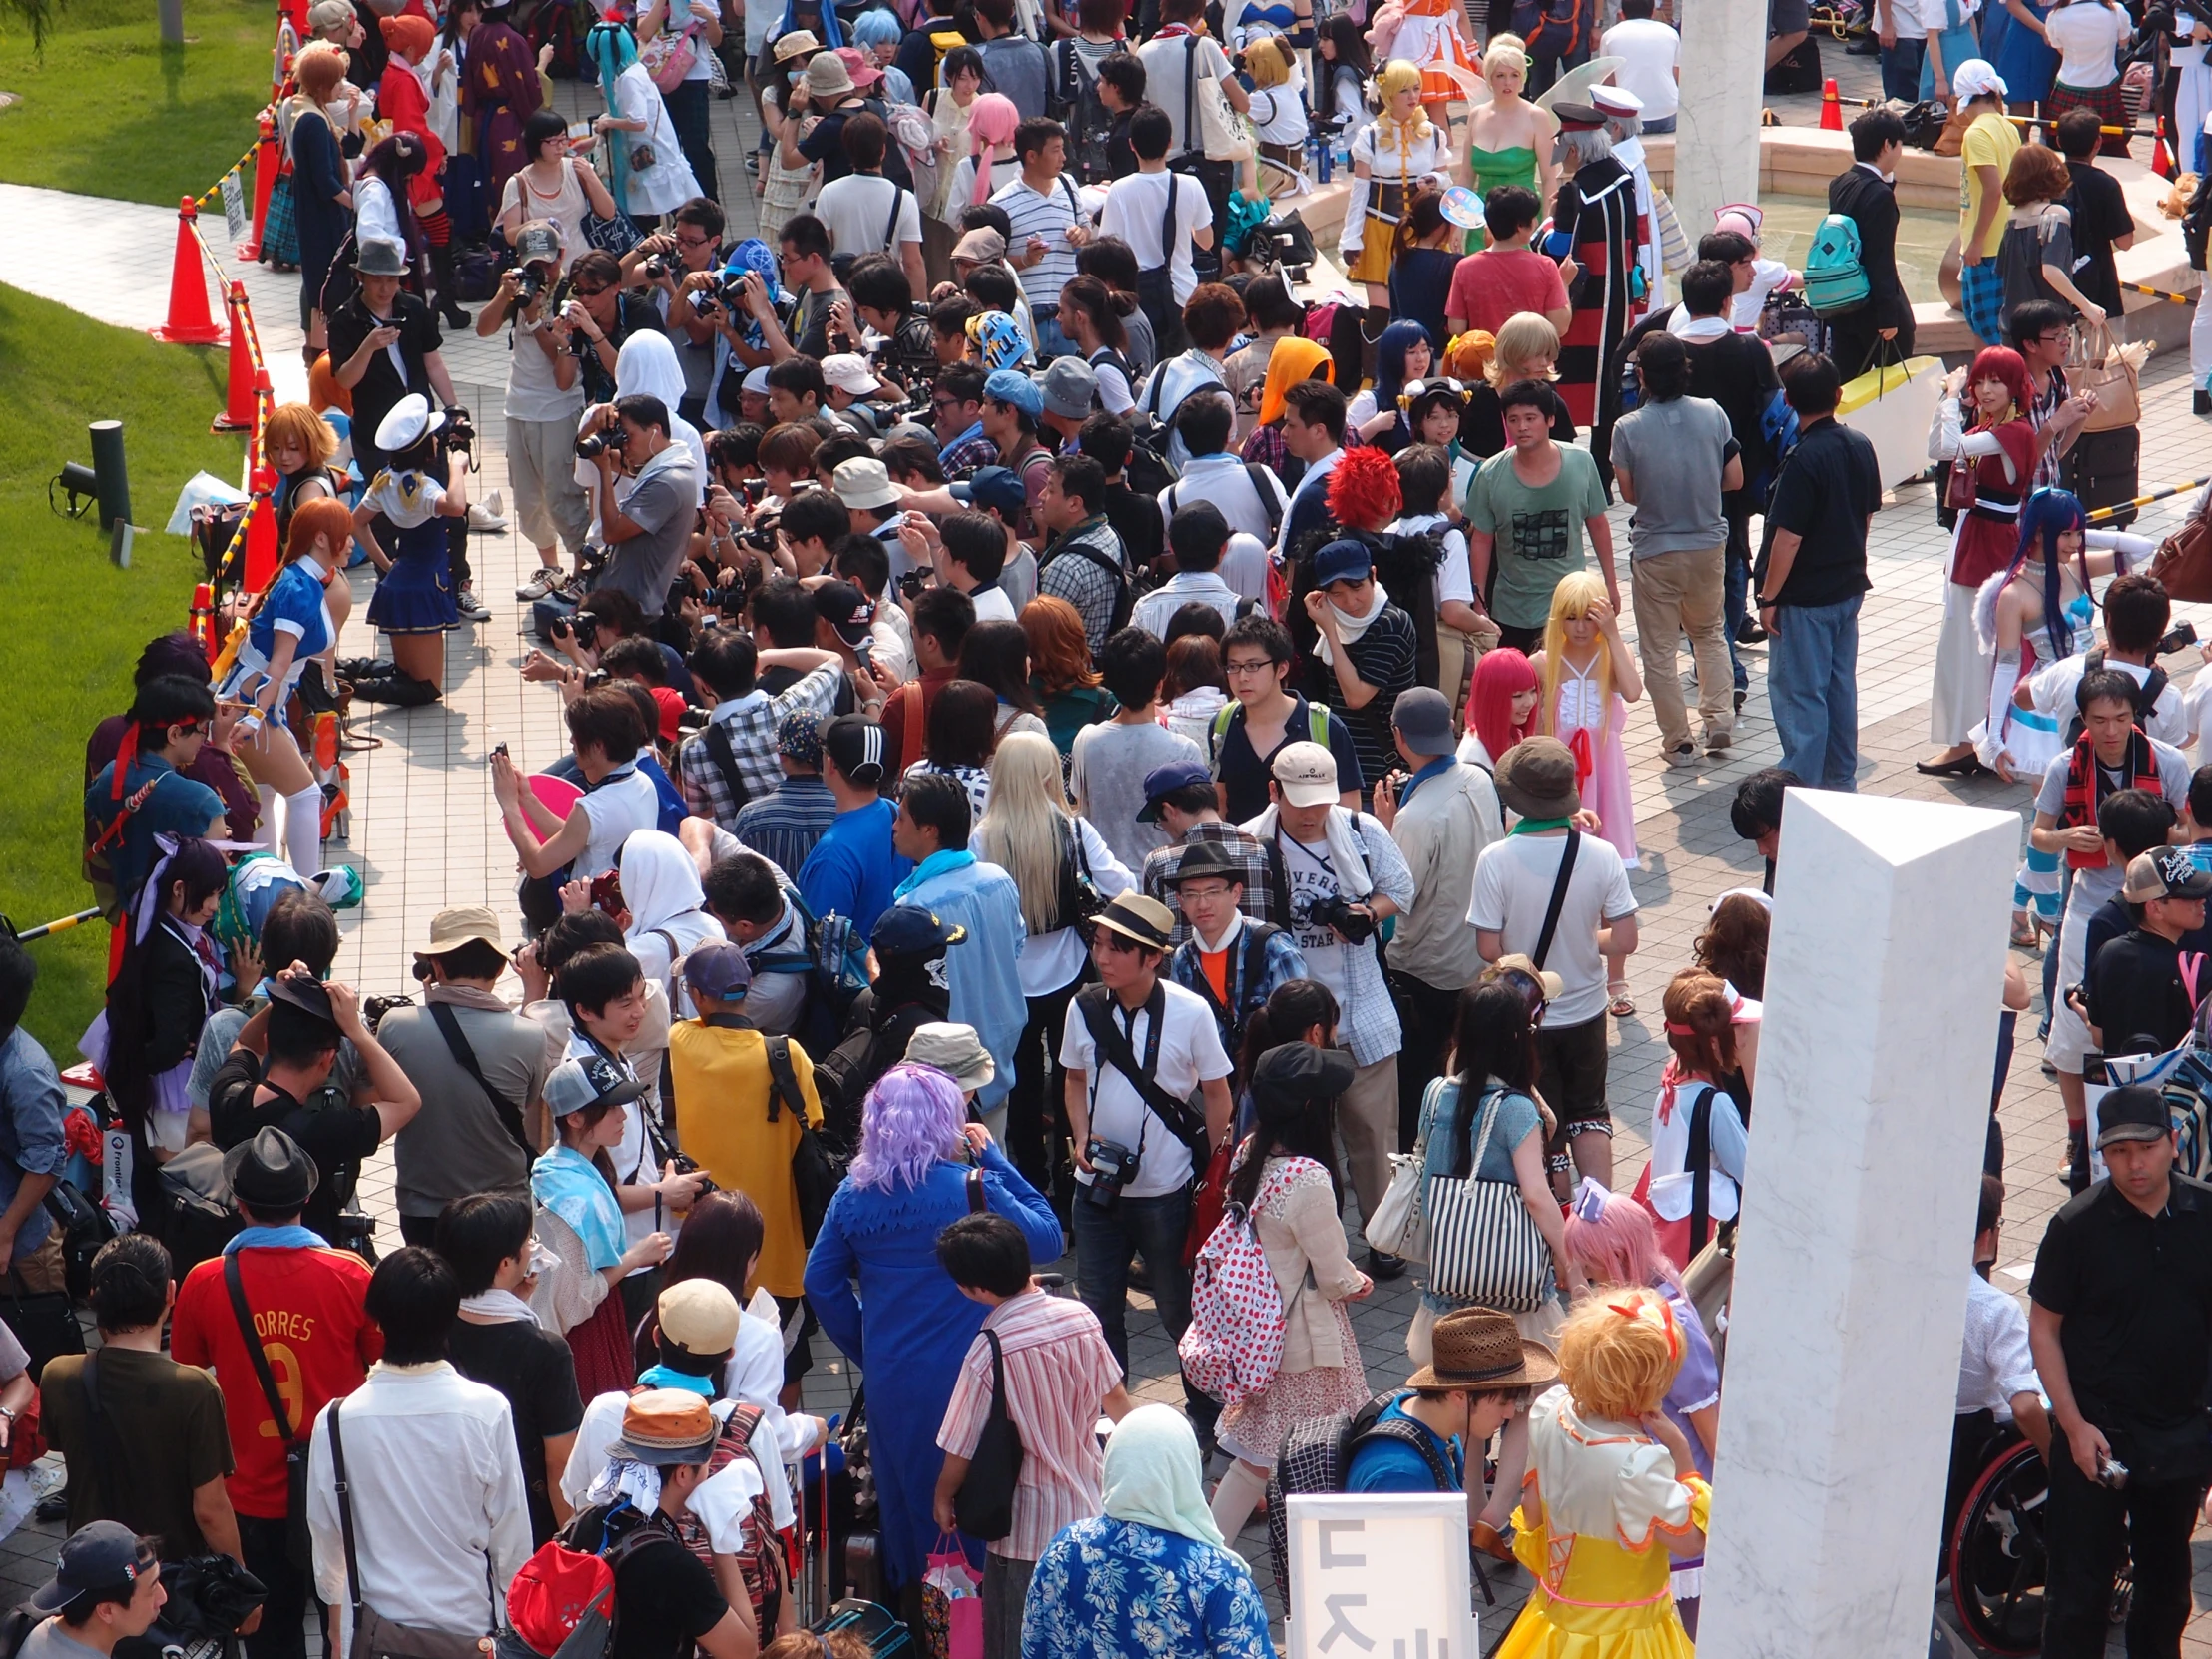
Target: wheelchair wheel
[1996,1560]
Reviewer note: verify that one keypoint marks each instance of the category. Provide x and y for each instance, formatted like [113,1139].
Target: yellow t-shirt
[722,1097]
[1991,141]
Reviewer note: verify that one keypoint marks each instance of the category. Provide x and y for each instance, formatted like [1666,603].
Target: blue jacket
[986,978]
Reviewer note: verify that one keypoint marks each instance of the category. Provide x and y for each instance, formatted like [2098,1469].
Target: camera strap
[509,1114]
[1097,1005]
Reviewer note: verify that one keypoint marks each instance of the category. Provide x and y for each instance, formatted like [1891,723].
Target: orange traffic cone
[2161,160]
[260,534]
[264,181]
[1831,106]
[190,320]
[238,402]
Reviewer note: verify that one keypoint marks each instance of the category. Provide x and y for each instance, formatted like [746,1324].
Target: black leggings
[1036,1115]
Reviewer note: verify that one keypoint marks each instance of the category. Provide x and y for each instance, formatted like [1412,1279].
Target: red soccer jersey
[307,1305]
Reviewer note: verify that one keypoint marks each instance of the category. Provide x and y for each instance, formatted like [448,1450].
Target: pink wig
[912,1119]
[1619,1245]
[1499,677]
[992,118]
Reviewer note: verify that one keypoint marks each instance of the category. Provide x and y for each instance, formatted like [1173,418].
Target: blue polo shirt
[852,868]
[1391,1467]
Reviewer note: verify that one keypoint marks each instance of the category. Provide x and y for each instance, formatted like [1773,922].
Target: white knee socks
[304,830]
[1240,1489]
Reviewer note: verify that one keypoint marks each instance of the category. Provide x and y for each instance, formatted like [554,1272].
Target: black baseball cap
[103,1558]
[1296,1073]
[309,996]
[846,608]
[2133,1113]
[914,931]
[855,743]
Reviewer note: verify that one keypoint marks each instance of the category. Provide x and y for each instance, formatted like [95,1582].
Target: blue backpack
[1835,271]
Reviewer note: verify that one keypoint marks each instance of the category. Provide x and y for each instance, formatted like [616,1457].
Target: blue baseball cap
[994,486]
[1164,779]
[1342,561]
[102,1557]
[1011,386]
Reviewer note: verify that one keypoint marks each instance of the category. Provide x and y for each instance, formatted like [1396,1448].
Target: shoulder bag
[374,1635]
[510,1115]
[1559,885]
[1399,1225]
[1220,134]
[2102,365]
[615,235]
[1486,1247]
[299,1546]
[2183,563]
[984,1504]
[816,1172]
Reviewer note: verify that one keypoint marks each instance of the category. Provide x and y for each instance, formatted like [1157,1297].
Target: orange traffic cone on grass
[238,402]
[1831,106]
[2161,160]
[191,323]
[260,534]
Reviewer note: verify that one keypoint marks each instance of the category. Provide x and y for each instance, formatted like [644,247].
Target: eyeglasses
[1203,889]
[940,404]
[682,241]
[1249,665]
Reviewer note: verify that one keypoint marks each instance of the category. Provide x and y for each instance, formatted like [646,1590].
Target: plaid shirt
[965,457]
[1280,962]
[750,721]
[1066,574]
[783,824]
[2047,404]
[1256,865]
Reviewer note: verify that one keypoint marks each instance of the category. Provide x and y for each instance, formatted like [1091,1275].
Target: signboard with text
[1381,1577]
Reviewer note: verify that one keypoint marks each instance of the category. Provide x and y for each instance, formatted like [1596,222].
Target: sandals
[1966,766]
[1622,1004]
[2026,934]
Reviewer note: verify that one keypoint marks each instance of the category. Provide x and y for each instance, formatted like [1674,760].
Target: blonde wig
[1505,50]
[1619,1352]
[1025,816]
[1572,600]
[1267,59]
[1392,78]
[1523,339]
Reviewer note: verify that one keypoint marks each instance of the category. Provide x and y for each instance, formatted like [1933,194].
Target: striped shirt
[1059,1371]
[1049,215]
[783,824]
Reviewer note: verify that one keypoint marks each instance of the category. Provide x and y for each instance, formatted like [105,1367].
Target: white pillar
[1884,975]
[1716,141]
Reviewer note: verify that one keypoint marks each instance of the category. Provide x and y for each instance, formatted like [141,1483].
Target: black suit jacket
[1863,198]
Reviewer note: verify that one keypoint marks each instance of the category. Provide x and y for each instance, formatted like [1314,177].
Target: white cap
[850,372]
[756,382]
[410,419]
[1616,101]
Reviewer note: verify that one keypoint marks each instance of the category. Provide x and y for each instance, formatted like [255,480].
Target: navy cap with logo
[2165,872]
[1165,778]
[914,931]
[994,486]
[577,1085]
[103,1558]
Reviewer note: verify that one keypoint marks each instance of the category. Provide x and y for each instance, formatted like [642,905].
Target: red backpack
[561,1604]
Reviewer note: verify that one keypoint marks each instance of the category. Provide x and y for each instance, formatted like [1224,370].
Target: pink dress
[1601,764]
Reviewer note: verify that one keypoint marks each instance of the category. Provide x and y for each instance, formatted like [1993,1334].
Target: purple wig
[912,1118]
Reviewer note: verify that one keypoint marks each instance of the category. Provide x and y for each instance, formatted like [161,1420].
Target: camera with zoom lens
[1113,1167]
[656,267]
[2181,633]
[592,446]
[529,283]
[726,289]
[459,436]
[1337,911]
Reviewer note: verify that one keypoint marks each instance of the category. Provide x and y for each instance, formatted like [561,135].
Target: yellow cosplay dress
[1600,1500]
[1400,155]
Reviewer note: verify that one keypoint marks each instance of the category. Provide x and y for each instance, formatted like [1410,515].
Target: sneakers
[470,607]
[1740,697]
[488,517]
[1750,633]
[2200,401]
[1716,742]
[550,578]
[1683,754]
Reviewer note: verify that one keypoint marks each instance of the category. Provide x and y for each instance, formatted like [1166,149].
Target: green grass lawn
[74,623]
[106,111]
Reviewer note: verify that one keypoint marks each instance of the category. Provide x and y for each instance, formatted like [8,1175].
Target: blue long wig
[1390,359]
[2045,517]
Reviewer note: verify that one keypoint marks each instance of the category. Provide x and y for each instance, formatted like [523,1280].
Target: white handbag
[1221,134]
[1399,1225]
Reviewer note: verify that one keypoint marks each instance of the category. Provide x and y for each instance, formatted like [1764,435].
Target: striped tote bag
[1486,1247]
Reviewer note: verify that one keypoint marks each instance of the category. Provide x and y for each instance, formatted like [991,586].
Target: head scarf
[1294,358]
[1152,1477]
[756,256]
[992,118]
[828,28]
[660,885]
[1392,78]
[646,366]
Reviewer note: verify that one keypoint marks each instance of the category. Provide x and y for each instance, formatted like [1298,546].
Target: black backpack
[1075,93]
[1125,595]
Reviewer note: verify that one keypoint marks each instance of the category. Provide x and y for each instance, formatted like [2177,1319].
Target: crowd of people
[1074,751]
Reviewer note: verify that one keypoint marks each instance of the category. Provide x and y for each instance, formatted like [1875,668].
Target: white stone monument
[1716,140]
[1884,975]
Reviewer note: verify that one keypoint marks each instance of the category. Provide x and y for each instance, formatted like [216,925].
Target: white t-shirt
[1513,880]
[1766,277]
[1936,16]
[1455,576]
[857,209]
[532,391]
[994,604]
[1137,207]
[1651,49]
[1904,20]
[1004,172]
[2087,35]
[1190,1054]
[624,801]
[1164,58]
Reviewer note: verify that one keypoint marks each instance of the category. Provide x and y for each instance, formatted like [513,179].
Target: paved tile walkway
[425,833]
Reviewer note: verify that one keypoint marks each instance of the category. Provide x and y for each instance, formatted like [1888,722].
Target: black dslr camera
[529,283]
[1337,911]
[1112,1168]
[2181,633]
[459,436]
